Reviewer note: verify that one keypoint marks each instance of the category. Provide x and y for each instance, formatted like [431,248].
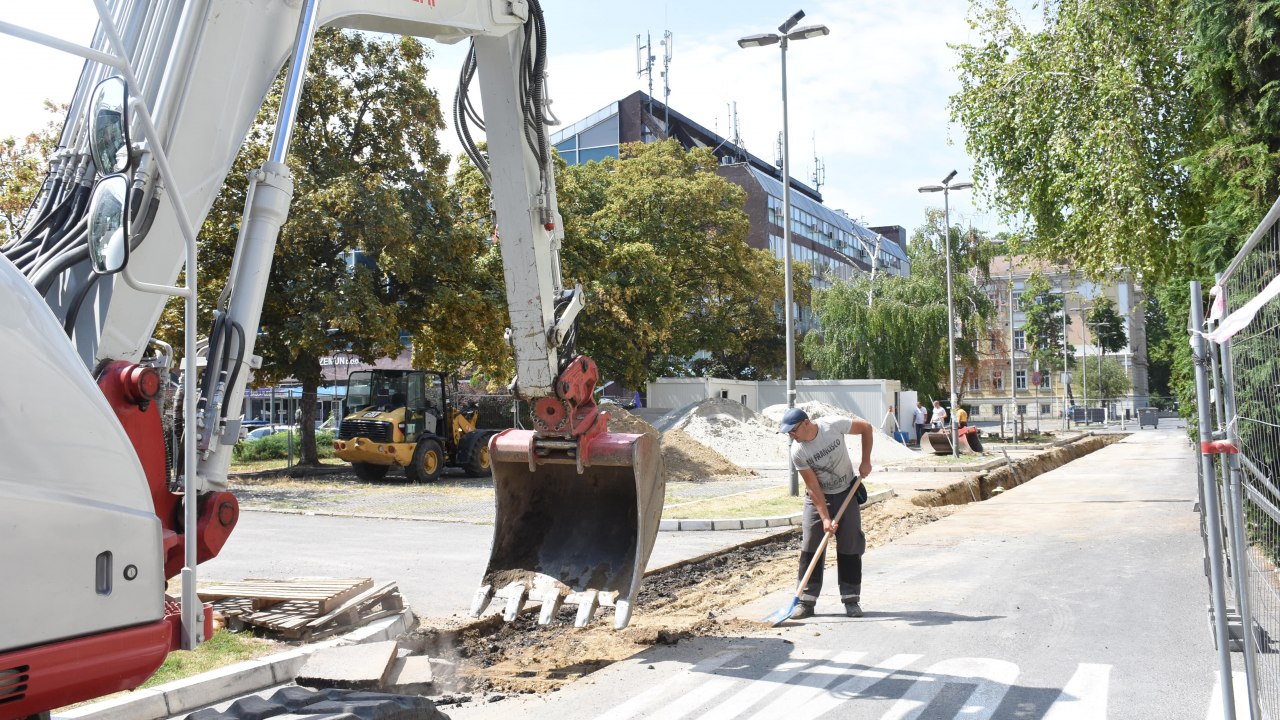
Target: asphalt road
[437,565]
[1079,595]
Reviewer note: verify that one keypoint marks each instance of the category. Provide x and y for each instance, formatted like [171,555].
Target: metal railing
[1240,445]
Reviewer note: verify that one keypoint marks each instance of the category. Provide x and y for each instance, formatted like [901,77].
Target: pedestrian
[962,417]
[819,453]
[918,417]
[939,415]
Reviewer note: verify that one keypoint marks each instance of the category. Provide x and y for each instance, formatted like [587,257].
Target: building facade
[835,245]
[1005,380]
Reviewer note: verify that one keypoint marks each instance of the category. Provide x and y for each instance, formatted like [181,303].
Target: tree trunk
[307,455]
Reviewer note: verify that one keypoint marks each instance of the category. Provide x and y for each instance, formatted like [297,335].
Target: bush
[276,447]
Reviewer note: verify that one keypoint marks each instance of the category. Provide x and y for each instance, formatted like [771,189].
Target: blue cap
[791,419]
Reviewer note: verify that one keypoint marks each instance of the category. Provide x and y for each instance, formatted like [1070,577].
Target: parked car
[266,430]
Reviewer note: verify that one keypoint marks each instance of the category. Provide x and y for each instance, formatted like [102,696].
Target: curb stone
[757,523]
[189,694]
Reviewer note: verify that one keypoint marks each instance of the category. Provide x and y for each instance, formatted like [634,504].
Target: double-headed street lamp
[789,32]
[945,188]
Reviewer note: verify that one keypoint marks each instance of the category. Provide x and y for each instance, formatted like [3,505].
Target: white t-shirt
[920,415]
[940,415]
[827,455]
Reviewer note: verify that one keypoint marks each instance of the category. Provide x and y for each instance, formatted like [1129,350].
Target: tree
[1108,325]
[23,164]
[1042,311]
[903,334]
[1114,381]
[658,240]
[369,176]
[1078,131]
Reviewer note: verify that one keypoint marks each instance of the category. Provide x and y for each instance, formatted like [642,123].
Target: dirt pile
[684,458]
[732,429]
[884,450]
[675,604]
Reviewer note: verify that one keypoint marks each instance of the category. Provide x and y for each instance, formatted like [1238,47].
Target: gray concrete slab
[354,667]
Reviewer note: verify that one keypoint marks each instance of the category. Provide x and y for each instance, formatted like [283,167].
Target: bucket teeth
[515,595]
[587,601]
[481,600]
[551,602]
[621,614]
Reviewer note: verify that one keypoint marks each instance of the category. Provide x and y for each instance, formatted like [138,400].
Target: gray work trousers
[850,543]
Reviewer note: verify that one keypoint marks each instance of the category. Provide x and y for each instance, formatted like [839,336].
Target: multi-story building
[1005,378]
[835,245]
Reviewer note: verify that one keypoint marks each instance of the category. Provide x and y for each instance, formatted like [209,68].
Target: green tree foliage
[23,164]
[1107,325]
[1112,383]
[369,175]
[1043,311]
[1076,131]
[902,335]
[658,241]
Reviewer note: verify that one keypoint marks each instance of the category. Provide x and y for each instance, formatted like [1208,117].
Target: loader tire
[473,454]
[368,472]
[428,461]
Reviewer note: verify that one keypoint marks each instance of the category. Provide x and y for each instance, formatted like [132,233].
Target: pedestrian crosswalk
[735,685]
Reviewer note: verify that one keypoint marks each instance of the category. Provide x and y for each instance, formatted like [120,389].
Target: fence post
[1212,514]
[1235,532]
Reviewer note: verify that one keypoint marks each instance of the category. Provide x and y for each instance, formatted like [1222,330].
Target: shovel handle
[826,538]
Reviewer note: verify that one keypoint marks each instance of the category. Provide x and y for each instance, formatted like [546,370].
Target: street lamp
[945,188]
[789,32]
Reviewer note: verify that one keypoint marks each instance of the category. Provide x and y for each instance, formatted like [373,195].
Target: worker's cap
[791,419]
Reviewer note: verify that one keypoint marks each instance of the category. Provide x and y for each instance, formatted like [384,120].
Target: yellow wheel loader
[410,419]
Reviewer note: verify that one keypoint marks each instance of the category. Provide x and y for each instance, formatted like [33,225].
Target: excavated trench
[687,600]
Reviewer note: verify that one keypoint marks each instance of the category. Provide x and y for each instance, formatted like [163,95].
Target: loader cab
[374,394]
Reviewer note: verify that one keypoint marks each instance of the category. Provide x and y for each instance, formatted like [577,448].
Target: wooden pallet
[303,608]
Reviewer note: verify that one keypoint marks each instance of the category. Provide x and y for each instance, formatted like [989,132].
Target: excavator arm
[166,97]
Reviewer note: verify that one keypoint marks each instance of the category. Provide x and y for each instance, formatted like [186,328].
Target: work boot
[852,609]
[802,611]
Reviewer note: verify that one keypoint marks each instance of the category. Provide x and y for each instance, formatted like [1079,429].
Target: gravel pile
[884,450]
[684,457]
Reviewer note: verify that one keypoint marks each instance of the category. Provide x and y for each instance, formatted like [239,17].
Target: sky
[870,99]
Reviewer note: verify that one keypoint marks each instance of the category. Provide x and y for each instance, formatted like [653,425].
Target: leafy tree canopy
[1042,311]
[23,164]
[1107,325]
[902,333]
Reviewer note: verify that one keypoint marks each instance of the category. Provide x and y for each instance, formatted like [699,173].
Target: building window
[1044,409]
[1022,409]
[997,410]
[1019,339]
[997,379]
[1046,381]
[974,384]
[1020,380]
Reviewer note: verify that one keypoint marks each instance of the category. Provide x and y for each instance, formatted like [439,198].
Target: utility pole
[1013,376]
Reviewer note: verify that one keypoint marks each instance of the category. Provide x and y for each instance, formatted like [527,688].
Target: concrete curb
[755,523]
[193,693]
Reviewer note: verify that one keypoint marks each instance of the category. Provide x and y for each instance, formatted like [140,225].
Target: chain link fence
[1238,349]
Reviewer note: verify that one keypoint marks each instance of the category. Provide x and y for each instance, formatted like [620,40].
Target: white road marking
[994,678]
[674,686]
[1239,693]
[804,691]
[756,690]
[1084,697]
[851,688]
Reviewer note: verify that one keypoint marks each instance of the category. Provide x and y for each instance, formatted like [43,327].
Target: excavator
[114,481]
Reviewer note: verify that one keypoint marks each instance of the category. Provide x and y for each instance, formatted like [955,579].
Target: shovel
[779,616]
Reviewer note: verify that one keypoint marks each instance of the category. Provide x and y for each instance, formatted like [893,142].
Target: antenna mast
[666,80]
[819,167]
[644,64]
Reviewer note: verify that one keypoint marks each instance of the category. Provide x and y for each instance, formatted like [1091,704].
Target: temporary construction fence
[1237,353]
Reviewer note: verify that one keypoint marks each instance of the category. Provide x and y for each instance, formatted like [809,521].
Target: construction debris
[302,608]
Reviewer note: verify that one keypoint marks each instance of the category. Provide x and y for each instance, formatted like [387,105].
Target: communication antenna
[735,135]
[667,43]
[777,158]
[644,63]
[819,167]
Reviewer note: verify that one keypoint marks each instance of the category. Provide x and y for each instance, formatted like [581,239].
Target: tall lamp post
[788,32]
[945,188]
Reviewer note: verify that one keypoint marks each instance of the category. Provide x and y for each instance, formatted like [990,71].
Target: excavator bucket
[573,530]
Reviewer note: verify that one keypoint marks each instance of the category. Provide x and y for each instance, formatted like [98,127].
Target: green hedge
[276,447]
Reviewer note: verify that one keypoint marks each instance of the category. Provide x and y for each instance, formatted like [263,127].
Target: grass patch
[224,648]
[275,464]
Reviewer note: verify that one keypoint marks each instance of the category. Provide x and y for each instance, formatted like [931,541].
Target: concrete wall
[869,399]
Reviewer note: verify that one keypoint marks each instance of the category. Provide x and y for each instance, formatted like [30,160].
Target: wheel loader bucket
[572,528]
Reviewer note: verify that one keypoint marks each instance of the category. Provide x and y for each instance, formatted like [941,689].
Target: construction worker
[821,457]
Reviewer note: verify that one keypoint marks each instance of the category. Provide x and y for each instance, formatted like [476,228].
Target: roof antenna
[667,43]
[644,64]
[819,167]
